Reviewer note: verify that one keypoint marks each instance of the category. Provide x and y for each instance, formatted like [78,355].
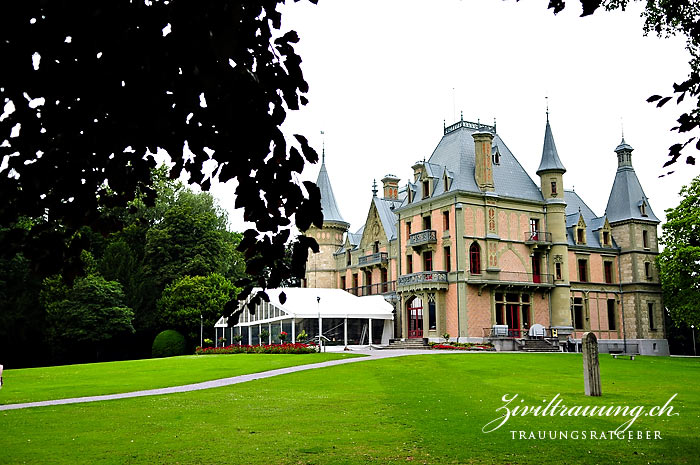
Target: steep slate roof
[387,215]
[627,194]
[575,206]
[328,204]
[455,152]
[550,158]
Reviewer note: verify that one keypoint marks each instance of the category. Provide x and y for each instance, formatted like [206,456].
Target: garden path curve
[371,355]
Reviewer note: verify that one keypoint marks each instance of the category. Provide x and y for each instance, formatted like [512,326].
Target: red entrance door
[513,319]
[415,319]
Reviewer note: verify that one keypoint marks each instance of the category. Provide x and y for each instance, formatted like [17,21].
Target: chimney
[391,187]
[483,171]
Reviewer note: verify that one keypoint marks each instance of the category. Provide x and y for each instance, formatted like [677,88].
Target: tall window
[427,223]
[446,221]
[348,258]
[606,238]
[409,264]
[607,271]
[432,316]
[513,309]
[427,261]
[448,259]
[554,188]
[578,313]
[355,280]
[426,189]
[652,322]
[534,228]
[557,270]
[583,270]
[342,282]
[647,270]
[612,325]
[385,278]
[408,228]
[580,237]
[645,239]
[475,258]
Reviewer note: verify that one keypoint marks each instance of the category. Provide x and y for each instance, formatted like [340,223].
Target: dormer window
[580,236]
[606,238]
[496,155]
[643,208]
[348,258]
[426,189]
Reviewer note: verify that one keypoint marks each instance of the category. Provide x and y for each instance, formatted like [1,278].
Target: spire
[627,200]
[328,205]
[550,158]
[374,188]
[323,149]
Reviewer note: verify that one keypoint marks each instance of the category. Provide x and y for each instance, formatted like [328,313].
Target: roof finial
[323,150]
[546,100]
[374,188]
[622,129]
[494,124]
[461,115]
[444,126]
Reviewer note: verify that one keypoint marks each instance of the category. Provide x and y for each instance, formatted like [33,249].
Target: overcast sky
[382,74]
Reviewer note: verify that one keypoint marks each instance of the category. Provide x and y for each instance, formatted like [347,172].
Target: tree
[667,18]
[85,316]
[190,298]
[95,88]
[679,262]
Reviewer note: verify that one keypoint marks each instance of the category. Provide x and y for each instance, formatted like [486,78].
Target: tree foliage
[679,262]
[188,298]
[95,88]
[667,18]
[86,315]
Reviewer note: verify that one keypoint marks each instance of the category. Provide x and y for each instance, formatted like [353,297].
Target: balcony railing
[515,333]
[373,289]
[512,277]
[373,259]
[538,237]
[423,277]
[429,236]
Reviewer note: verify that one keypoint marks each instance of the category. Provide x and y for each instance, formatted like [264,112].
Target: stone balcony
[422,238]
[423,280]
[380,258]
[538,238]
[496,278]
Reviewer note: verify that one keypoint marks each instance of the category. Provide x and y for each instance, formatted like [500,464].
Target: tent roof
[333,303]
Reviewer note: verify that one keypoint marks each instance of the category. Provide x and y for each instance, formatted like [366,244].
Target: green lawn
[36,384]
[417,409]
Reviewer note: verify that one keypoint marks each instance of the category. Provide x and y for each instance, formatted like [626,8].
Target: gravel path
[371,355]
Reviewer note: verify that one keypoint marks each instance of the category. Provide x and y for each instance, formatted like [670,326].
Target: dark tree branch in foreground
[97,86]
[667,18]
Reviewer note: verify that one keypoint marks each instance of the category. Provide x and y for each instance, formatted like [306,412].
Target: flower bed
[246,349]
[462,346]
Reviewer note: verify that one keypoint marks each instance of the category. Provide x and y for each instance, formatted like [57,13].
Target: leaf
[663,102]
[283,298]
[653,98]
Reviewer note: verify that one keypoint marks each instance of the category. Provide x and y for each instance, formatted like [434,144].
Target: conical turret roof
[328,205]
[550,158]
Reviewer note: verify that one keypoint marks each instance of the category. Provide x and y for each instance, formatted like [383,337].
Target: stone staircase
[420,343]
[538,345]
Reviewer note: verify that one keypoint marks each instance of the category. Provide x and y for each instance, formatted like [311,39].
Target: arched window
[475,258]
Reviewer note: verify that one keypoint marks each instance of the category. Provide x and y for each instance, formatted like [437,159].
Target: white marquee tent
[345,319]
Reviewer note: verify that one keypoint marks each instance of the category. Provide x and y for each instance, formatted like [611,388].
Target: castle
[473,247]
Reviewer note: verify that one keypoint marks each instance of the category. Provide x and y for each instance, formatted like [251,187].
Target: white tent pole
[260,342]
[250,336]
[345,331]
[269,333]
[294,332]
[370,333]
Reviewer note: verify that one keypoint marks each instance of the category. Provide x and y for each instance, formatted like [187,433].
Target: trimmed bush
[168,343]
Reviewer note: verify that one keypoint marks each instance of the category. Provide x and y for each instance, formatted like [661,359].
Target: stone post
[591,366]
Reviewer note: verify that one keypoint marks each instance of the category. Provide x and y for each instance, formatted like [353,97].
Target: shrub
[168,343]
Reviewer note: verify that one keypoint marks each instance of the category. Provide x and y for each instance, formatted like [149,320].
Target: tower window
[348,258]
[557,271]
[554,188]
[448,259]
[645,239]
[375,247]
[647,270]
[652,322]
[446,221]
[475,259]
